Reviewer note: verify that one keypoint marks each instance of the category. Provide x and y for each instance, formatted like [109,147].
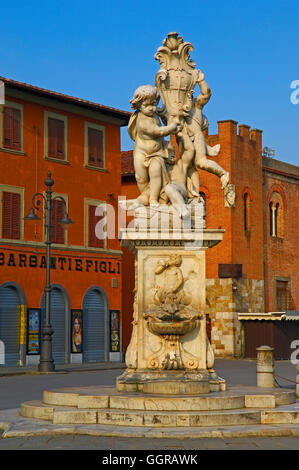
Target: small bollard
[297,381]
[265,367]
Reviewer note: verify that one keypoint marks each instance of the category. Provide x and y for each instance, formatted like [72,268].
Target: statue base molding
[170,382]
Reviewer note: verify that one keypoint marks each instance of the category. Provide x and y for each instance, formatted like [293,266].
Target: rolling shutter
[57,320]
[93,327]
[9,325]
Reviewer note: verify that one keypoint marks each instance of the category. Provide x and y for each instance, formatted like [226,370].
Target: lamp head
[31,215]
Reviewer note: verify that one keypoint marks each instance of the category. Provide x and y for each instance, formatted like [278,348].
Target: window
[11,218]
[56,138]
[274,208]
[12,128]
[204,200]
[276,215]
[271,219]
[57,231]
[203,196]
[247,201]
[93,219]
[94,146]
[282,295]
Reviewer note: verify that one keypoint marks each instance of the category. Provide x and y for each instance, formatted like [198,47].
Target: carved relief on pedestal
[170,316]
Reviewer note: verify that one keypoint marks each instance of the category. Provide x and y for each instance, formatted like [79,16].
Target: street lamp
[46,363]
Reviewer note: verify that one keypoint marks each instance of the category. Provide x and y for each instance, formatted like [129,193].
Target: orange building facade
[254,268]
[79,143]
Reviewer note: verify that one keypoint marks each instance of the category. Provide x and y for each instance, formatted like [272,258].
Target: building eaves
[106,110]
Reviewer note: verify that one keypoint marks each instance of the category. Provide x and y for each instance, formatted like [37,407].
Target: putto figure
[150,149]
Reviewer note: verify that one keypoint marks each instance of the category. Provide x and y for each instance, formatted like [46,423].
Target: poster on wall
[33,330]
[77,332]
[114,330]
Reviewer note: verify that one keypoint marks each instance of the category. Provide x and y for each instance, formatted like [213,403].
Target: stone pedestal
[169,352]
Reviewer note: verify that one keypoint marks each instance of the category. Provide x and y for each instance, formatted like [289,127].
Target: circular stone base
[104,406]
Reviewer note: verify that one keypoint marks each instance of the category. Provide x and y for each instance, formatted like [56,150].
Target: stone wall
[225,298]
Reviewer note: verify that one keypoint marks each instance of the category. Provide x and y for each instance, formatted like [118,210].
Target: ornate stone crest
[177,77]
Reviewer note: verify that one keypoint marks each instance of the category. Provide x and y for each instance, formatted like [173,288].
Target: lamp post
[46,363]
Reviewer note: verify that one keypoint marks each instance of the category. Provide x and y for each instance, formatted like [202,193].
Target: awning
[273,316]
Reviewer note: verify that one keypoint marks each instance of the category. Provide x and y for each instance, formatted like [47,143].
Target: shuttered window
[12,128]
[11,217]
[56,138]
[57,213]
[95,148]
[93,219]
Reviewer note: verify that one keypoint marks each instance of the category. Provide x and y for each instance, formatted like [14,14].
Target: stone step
[36,409]
[286,416]
[178,419]
[108,397]
[149,418]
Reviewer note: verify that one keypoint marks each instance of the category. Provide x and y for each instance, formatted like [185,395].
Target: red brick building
[79,142]
[281,215]
[254,268]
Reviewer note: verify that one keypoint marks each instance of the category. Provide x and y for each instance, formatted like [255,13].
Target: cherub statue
[196,123]
[150,149]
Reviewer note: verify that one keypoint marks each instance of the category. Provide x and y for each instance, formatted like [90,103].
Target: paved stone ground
[126,444]
[16,389]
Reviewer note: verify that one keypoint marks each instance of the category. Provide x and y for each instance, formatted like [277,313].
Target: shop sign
[62,263]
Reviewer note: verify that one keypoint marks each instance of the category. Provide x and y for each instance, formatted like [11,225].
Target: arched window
[204,199]
[276,215]
[271,219]
[203,196]
[247,202]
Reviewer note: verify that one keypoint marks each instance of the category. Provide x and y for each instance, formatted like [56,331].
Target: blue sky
[103,50]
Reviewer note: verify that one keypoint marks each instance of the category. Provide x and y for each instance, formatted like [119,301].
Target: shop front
[85,309]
